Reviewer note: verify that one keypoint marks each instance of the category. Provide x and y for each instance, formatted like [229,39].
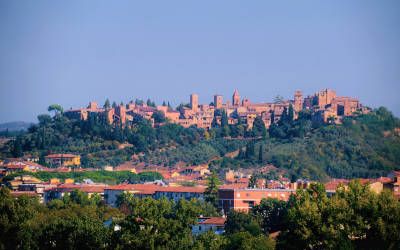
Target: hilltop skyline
[72,52]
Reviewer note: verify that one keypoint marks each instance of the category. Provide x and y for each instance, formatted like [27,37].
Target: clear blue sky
[71,52]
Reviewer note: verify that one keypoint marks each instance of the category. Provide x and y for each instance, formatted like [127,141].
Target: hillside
[363,146]
[14,126]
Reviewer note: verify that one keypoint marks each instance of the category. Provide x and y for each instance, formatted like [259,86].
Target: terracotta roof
[20,193]
[234,186]
[182,189]
[61,156]
[214,221]
[152,188]
[84,188]
[15,166]
[332,185]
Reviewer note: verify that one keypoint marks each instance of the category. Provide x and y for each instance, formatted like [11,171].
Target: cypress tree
[107,104]
[260,154]
[290,113]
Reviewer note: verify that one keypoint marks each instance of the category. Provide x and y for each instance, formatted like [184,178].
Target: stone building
[324,105]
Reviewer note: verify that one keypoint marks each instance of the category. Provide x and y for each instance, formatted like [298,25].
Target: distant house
[63,160]
[59,191]
[243,199]
[111,193]
[205,224]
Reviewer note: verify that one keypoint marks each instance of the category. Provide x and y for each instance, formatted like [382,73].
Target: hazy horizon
[74,52]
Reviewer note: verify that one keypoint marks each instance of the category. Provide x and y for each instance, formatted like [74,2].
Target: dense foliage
[107,177]
[363,146]
[353,218]
[79,222]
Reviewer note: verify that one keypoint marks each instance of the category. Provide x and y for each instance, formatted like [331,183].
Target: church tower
[236,98]
[298,101]
[194,102]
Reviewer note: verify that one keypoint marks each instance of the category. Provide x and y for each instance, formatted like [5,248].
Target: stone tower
[236,98]
[194,102]
[218,101]
[298,101]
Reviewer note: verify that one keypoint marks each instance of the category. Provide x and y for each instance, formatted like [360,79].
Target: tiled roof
[151,188]
[214,221]
[20,193]
[84,188]
[15,166]
[332,185]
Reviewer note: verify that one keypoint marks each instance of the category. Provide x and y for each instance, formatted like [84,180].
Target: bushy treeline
[353,218]
[100,176]
[363,146]
[79,222]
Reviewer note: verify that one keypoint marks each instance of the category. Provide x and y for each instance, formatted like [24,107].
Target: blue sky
[71,52]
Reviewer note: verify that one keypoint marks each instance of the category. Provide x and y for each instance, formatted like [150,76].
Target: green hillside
[363,146]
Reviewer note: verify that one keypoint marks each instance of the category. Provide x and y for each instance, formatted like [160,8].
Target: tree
[225,131]
[250,150]
[211,193]
[14,213]
[259,127]
[139,102]
[150,103]
[272,117]
[17,147]
[260,154]
[224,119]
[246,241]
[210,240]
[158,116]
[253,181]
[114,105]
[242,222]
[354,218]
[56,108]
[272,213]
[107,104]
[291,113]
[44,119]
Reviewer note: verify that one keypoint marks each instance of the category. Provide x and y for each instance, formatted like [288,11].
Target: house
[63,160]
[394,185]
[111,193]
[243,199]
[62,189]
[205,224]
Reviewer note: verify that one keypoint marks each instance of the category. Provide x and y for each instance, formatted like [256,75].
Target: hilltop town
[325,106]
[49,176]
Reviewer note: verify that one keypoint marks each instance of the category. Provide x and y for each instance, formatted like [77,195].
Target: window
[250,203]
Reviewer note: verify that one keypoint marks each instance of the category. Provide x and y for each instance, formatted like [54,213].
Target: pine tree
[272,117]
[249,150]
[290,113]
[224,119]
[107,104]
[17,147]
[252,181]
[240,154]
[260,154]
[211,193]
